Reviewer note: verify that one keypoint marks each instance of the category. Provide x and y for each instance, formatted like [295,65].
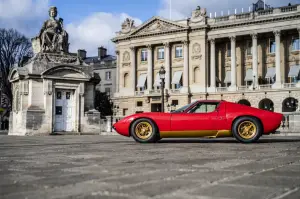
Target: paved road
[117,167]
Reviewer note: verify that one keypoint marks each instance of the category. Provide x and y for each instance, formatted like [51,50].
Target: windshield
[182,109]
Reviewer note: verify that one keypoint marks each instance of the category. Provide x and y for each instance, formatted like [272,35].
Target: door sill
[65,133]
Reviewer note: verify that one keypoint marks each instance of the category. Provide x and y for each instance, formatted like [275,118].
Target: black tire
[151,135]
[251,134]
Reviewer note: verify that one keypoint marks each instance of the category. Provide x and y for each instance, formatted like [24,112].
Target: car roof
[210,101]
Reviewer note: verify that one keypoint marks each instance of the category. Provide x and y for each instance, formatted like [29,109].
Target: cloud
[95,30]
[24,15]
[182,9]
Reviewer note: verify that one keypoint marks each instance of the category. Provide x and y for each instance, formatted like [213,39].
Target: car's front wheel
[247,129]
[144,131]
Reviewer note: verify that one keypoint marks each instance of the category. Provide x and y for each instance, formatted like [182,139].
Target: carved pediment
[66,72]
[157,25]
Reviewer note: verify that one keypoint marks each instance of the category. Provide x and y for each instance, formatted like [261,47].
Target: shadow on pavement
[216,140]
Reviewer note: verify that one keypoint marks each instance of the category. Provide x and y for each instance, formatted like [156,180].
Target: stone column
[185,66]
[118,72]
[233,63]
[133,67]
[167,65]
[212,64]
[277,59]
[150,68]
[254,60]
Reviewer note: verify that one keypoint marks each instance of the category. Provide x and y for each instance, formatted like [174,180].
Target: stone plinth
[53,93]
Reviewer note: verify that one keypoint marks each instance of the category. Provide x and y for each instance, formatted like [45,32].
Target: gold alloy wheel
[143,130]
[247,129]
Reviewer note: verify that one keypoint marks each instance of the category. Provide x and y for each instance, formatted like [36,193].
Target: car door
[201,120]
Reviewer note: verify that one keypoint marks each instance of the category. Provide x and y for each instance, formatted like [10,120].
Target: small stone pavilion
[54,91]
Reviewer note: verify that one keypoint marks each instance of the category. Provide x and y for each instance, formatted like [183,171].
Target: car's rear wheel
[247,129]
[144,131]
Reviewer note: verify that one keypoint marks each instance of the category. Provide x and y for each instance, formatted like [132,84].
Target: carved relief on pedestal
[16,99]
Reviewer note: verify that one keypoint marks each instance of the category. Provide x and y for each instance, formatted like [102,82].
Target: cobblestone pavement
[117,167]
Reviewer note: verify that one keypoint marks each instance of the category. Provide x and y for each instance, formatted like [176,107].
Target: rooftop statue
[52,36]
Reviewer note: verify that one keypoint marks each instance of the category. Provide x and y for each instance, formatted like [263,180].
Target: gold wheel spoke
[143,130]
[247,129]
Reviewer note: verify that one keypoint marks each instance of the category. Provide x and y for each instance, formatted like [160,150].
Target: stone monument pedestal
[53,93]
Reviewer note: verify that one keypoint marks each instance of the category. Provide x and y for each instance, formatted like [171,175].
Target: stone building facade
[250,58]
[105,66]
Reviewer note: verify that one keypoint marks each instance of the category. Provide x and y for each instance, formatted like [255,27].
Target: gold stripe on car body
[195,133]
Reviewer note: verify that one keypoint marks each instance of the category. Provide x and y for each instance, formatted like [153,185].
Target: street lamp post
[254,82]
[162,74]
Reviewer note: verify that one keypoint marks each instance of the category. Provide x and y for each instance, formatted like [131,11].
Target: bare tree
[14,49]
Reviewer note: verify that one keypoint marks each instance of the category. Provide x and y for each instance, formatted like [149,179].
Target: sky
[93,23]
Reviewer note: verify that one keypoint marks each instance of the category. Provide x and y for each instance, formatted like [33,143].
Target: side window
[204,108]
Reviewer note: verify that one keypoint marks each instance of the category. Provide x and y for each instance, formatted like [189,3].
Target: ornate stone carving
[16,99]
[127,25]
[52,36]
[57,58]
[198,15]
[149,46]
[132,48]
[195,57]
[196,48]
[167,44]
[126,56]
[212,40]
[254,35]
[185,42]
[277,33]
[232,38]
[157,26]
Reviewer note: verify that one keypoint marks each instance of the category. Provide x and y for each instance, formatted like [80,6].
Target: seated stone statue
[52,36]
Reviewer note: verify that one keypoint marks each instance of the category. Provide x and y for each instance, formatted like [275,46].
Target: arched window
[266,104]
[244,102]
[289,105]
[126,80]
[196,75]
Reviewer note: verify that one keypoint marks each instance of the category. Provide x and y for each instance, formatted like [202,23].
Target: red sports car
[203,118]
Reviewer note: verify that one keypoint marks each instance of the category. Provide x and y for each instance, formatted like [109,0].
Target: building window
[125,111]
[144,55]
[126,80]
[228,50]
[107,91]
[139,103]
[108,75]
[270,80]
[178,51]
[295,44]
[293,79]
[58,95]
[249,47]
[178,86]
[272,46]
[161,53]
[175,102]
